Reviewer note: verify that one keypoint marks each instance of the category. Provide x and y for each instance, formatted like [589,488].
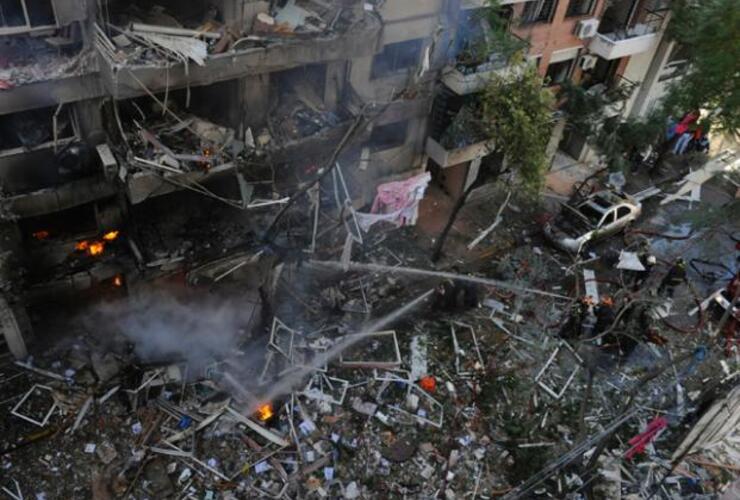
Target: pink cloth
[643,439]
[396,202]
[394,196]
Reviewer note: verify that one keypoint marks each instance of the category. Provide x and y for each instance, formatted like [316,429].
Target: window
[19,16]
[388,136]
[580,8]
[396,57]
[623,212]
[539,11]
[608,219]
[559,72]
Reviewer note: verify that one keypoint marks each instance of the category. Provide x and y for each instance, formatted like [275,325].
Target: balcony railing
[623,43]
[126,78]
[451,157]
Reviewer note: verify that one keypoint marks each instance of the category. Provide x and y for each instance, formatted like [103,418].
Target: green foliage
[502,40]
[708,32]
[516,111]
[613,137]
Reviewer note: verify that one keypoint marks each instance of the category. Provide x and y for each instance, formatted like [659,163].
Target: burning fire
[118,280]
[208,152]
[111,235]
[95,248]
[265,412]
[41,235]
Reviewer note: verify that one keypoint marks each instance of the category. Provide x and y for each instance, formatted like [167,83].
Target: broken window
[29,130]
[539,11]
[388,136]
[396,57]
[18,16]
[609,219]
[593,215]
[580,8]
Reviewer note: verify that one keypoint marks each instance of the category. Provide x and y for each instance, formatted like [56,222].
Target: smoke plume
[162,326]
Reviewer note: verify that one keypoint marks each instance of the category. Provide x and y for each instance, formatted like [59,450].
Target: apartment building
[598,44]
[116,114]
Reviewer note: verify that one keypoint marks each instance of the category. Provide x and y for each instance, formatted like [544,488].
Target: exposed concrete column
[15,328]
[255,99]
[652,76]
[336,77]
[90,119]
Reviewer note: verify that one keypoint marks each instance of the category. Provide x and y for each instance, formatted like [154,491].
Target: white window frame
[27,28]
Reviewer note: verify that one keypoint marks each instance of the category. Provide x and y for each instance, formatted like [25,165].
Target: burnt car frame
[594,218]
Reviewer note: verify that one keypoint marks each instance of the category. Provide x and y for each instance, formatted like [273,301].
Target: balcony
[451,157]
[464,81]
[40,72]
[171,154]
[456,133]
[129,66]
[623,43]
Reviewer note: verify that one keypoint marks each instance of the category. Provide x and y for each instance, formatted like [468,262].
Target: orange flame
[81,246]
[96,248]
[265,412]
[111,235]
[118,280]
[41,235]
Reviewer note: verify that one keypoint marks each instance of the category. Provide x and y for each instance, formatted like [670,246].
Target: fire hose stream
[286,384]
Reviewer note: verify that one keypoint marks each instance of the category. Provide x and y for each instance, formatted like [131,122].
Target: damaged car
[599,215]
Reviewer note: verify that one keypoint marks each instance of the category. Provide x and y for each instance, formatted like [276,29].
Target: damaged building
[107,107]
[209,286]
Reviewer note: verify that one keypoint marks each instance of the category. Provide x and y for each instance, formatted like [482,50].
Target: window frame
[588,12]
[539,20]
[571,65]
[389,145]
[621,208]
[605,222]
[375,73]
[28,28]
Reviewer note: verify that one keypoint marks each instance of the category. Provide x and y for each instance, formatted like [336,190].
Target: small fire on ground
[94,248]
[265,412]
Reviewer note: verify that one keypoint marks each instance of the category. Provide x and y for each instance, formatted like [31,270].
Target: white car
[600,215]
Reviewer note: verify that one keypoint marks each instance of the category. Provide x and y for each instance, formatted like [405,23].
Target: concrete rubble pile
[477,397]
[28,60]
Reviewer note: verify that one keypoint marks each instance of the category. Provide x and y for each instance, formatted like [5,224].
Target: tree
[708,34]
[515,110]
[612,137]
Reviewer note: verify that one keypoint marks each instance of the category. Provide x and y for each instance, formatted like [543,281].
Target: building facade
[107,107]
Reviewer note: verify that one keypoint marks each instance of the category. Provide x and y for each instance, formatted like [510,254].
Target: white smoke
[161,326]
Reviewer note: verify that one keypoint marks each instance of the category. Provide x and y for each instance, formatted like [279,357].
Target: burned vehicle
[597,216]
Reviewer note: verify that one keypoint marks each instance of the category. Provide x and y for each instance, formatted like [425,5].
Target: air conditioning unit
[587,28]
[588,62]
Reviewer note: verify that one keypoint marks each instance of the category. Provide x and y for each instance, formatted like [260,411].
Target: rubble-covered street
[368,383]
